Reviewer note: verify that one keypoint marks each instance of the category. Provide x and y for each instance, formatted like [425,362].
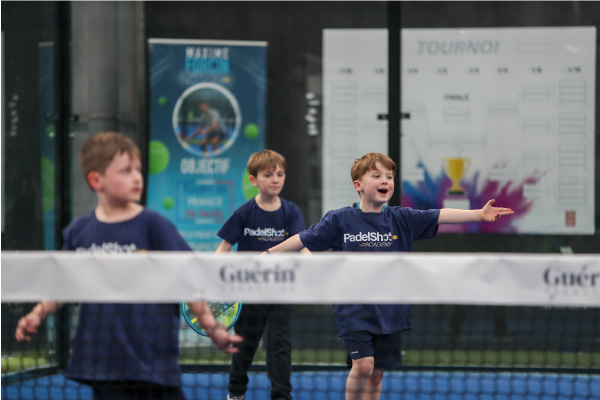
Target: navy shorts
[386,349]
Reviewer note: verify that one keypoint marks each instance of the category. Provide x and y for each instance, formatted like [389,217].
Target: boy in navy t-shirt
[124,351]
[257,225]
[371,332]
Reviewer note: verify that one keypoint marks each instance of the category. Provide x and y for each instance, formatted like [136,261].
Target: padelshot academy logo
[267,234]
[371,239]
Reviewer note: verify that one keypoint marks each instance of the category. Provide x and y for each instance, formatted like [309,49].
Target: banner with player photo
[207,116]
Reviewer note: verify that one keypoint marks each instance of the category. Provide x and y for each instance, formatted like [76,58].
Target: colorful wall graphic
[207,115]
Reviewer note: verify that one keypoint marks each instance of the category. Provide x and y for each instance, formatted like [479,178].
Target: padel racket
[225,313]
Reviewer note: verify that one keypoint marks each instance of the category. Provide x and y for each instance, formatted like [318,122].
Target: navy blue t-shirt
[255,229]
[125,341]
[350,229]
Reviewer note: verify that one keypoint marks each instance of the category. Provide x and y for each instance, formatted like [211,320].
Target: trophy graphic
[456,168]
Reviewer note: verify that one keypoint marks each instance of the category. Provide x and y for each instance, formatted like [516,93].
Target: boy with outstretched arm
[124,351]
[258,224]
[371,332]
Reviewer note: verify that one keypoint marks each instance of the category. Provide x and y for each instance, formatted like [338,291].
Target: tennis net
[484,326]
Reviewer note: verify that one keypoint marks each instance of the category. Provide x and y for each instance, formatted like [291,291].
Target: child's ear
[252,179]
[357,186]
[93,179]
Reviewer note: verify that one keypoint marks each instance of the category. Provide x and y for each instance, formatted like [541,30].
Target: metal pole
[394,100]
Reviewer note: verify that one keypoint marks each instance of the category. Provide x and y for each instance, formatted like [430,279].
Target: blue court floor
[330,386]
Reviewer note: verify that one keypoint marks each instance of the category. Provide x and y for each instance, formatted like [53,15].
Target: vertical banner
[207,115]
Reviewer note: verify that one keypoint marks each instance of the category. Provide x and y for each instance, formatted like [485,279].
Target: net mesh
[454,351]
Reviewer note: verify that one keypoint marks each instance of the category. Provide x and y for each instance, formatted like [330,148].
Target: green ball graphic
[251,131]
[168,203]
[162,100]
[50,129]
[159,157]
[47,184]
[248,189]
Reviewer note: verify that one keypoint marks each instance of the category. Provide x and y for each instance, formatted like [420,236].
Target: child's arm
[487,213]
[224,247]
[292,244]
[29,324]
[215,331]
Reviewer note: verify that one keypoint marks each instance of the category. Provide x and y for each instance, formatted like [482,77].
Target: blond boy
[123,351]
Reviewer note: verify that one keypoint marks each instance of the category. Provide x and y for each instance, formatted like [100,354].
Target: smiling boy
[371,332]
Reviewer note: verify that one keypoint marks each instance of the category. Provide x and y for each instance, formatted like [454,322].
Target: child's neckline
[123,218]
[269,209]
[357,206]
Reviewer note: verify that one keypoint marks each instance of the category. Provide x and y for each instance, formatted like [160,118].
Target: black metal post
[63,157]
[394,100]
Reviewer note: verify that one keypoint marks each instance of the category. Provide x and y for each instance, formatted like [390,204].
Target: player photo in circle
[206,119]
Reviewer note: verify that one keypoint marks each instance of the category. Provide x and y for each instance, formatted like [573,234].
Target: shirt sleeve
[167,238]
[75,230]
[423,223]
[320,236]
[232,229]
[296,224]
[67,243]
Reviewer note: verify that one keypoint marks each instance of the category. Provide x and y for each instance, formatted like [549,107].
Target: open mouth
[383,191]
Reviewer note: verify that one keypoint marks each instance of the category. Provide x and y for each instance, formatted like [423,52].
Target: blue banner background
[195,190]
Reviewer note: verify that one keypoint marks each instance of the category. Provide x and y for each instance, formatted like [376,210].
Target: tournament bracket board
[504,113]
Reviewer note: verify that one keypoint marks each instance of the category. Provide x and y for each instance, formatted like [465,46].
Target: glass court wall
[66,65]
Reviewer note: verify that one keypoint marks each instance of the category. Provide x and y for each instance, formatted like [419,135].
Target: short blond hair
[266,159]
[368,163]
[98,151]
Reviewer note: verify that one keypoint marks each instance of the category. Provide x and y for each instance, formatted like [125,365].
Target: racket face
[225,313]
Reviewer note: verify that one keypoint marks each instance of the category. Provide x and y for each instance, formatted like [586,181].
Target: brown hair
[367,163]
[98,151]
[266,159]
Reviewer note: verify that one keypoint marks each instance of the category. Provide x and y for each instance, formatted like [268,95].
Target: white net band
[331,278]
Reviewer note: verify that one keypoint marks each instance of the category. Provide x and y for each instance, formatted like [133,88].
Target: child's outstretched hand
[223,341]
[27,326]
[492,214]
